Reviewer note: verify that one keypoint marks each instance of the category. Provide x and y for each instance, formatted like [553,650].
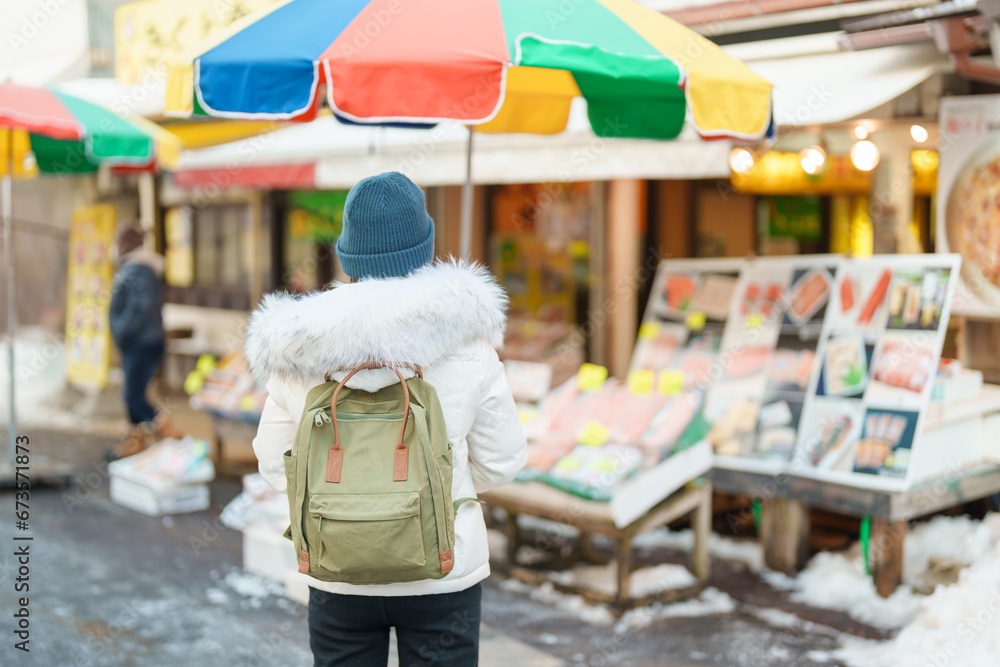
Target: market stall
[815,381]
[839,400]
[226,391]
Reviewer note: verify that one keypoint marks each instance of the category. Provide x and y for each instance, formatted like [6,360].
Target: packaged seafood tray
[170,477]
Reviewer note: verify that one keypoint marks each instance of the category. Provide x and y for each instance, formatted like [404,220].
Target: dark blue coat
[136,306]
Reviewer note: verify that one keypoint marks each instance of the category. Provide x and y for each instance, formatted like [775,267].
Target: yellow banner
[18,142]
[149,32]
[88,296]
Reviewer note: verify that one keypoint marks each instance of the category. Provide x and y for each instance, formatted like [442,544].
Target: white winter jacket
[446,318]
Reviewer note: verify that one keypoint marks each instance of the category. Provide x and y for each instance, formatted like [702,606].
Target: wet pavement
[113,587]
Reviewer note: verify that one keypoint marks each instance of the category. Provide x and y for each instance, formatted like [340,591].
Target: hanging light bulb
[812,159]
[864,155]
[861,132]
[740,160]
[919,133]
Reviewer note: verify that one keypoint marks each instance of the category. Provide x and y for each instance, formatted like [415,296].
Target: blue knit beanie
[387,231]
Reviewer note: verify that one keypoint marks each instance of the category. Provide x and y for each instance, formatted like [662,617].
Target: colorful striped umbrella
[66,135]
[512,65]
[70,135]
[500,65]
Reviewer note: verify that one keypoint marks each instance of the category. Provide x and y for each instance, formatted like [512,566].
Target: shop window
[790,225]
[313,222]
[541,252]
[209,256]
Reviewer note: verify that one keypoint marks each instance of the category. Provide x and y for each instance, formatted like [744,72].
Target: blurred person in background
[137,328]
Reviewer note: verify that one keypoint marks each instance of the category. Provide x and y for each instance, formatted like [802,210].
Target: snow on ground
[40,386]
[956,625]
[253,587]
[710,601]
[574,604]
[836,580]
[39,374]
[746,551]
[644,581]
[949,539]
[782,619]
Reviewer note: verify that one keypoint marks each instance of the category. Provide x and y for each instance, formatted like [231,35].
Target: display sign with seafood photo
[767,359]
[685,319]
[878,352]
[968,201]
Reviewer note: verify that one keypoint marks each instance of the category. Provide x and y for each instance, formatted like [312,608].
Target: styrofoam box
[141,498]
[267,552]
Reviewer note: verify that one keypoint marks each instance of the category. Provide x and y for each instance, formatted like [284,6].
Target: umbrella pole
[466,237]
[8,251]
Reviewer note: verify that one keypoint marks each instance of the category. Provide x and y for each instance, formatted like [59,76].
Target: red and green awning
[505,65]
[67,134]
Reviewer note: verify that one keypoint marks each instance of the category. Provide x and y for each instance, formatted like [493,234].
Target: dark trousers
[440,630]
[139,363]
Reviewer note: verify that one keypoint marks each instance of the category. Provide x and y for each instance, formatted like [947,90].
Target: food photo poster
[968,208]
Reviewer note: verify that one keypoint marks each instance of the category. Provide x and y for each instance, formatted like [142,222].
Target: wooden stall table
[590,517]
[786,500]
[959,448]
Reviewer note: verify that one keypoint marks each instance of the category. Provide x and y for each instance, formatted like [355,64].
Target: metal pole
[8,251]
[466,237]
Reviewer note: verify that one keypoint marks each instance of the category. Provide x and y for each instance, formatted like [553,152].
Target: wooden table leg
[885,554]
[702,524]
[513,538]
[623,555]
[785,533]
[586,549]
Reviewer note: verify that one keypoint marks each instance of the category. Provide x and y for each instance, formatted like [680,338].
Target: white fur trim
[145,257]
[418,320]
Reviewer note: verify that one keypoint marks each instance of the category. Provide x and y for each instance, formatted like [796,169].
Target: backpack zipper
[323,416]
[353,416]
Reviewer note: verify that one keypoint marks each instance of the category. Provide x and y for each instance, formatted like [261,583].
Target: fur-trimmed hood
[417,320]
[144,257]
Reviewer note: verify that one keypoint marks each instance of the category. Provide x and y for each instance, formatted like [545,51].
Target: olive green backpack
[369,484]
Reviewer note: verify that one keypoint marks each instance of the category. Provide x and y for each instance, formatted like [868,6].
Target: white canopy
[815,83]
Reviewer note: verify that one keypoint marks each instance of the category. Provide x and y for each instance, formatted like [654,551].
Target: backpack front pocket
[367,537]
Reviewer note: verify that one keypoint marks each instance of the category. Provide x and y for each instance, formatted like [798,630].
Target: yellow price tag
[695,321]
[248,403]
[206,364]
[593,434]
[754,321]
[569,463]
[640,382]
[591,377]
[671,382]
[649,331]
